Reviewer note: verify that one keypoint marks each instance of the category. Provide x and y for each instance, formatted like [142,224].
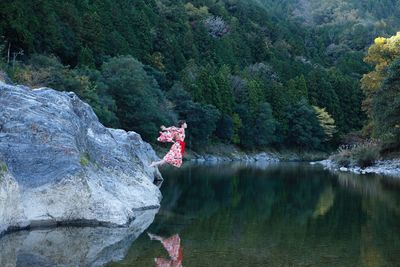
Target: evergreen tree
[237,125]
[247,131]
[321,92]
[225,90]
[265,126]
[279,54]
[350,117]
[304,130]
[225,128]
[141,105]
[296,89]
[201,118]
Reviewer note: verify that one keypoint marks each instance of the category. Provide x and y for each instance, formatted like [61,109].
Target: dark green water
[281,215]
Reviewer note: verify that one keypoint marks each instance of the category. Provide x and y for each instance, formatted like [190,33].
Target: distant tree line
[238,73]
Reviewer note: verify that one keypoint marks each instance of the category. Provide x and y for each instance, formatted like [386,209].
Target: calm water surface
[275,215]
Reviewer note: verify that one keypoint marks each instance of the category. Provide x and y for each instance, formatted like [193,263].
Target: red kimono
[177,136]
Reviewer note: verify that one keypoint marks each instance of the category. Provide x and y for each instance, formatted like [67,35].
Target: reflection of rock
[72,246]
[59,164]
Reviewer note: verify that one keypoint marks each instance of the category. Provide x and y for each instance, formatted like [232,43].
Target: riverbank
[384,167]
[218,152]
[226,153]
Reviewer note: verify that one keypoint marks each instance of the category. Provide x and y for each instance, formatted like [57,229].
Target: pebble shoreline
[263,156]
[383,167]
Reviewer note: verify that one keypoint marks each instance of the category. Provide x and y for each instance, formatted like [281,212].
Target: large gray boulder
[60,165]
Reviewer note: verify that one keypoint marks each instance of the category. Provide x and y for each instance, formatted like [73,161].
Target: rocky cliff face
[59,164]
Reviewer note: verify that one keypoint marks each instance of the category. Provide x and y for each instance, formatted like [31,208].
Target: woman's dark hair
[181,122]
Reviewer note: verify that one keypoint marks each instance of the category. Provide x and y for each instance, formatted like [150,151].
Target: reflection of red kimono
[174,249]
[177,136]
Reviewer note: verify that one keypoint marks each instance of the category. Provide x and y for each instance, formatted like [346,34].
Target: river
[281,214]
[285,214]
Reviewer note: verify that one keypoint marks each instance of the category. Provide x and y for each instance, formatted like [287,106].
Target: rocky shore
[262,157]
[59,165]
[383,167]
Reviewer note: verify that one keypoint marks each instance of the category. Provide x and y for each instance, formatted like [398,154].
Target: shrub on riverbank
[363,154]
[367,153]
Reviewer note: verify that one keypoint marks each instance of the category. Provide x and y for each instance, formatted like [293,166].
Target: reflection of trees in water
[285,215]
[258,216]
[325,202]
[372,186]
[203,190]
[380,236]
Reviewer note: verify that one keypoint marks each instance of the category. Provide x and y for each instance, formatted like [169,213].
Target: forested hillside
[261,73]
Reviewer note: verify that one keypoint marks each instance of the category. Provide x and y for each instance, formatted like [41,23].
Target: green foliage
[348,116]
[209,85]
[254,95]
[362,154]
[380,55]
[2,52]
[141,105]
[246,132]
[381,87]
[265,126]
[84,159]
[304,129]
[366,154]
[343,157]
[201,118]
[47,71]
[296,89]
[237,125]
[225,128]
[386,107]
[326,122]
[225,90]
[278,54]
[3,167]
[322,93]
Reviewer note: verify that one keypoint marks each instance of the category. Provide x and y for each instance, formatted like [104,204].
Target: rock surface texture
[60,165]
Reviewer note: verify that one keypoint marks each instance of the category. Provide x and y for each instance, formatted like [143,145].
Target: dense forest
[257,74]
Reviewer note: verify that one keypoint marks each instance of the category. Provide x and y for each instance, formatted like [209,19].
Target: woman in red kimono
[177,136]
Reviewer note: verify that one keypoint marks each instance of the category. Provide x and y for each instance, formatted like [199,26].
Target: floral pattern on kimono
[177,136]
[173,246]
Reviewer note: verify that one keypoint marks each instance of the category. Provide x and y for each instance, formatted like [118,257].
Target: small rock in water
[343,169]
